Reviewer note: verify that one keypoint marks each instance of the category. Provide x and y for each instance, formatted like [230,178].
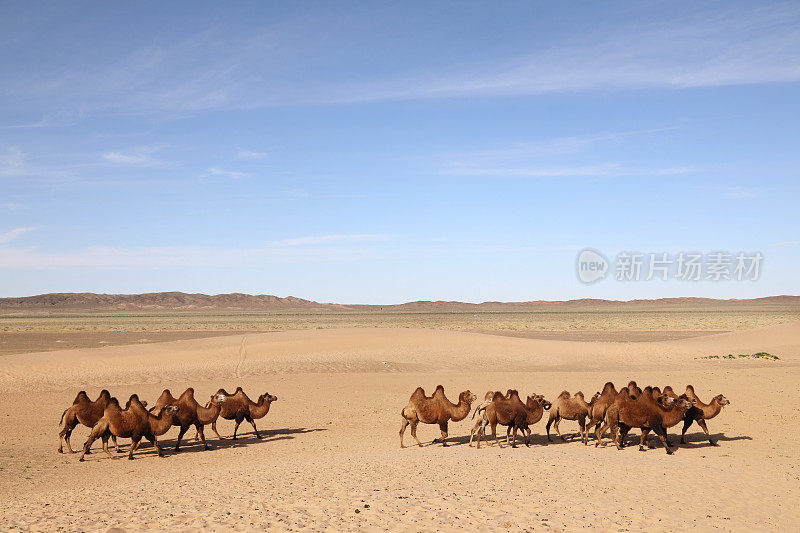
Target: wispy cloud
[230,174]
[785,243]
[14,234]
[611,170]
[733,192]
[324,239]
[138,157]
[247,155]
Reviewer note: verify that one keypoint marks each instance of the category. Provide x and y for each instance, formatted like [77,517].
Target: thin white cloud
[324,239]
[230,174]
[14,234]
[785,243]
[248,155]
[557,172]
[138,157]
[12,162]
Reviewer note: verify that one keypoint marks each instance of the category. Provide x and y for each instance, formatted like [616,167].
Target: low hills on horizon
[180,301]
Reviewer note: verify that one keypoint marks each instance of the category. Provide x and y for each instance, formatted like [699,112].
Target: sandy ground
[330,455]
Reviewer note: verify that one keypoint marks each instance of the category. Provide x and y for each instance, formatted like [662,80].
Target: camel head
[171,409]
[721,400]
[538,399]
[269,397]
[665,400]
[218,398]
[489,395]
[467,397]
[596,396]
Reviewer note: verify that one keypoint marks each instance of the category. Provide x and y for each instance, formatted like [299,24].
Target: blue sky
[384,152]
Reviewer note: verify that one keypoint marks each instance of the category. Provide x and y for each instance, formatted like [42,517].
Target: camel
[191,413]
[238,406]
[436,409]
[597,410]
[82,411]
[700,411]
[133,422]
[646,413]
[634,389]
[508,411]
[568,408]
[480,426]
[535,406]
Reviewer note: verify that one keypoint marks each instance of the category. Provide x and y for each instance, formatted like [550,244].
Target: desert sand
[330,455]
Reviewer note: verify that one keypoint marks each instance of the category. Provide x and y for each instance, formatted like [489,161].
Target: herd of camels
[108,420]
[649,409]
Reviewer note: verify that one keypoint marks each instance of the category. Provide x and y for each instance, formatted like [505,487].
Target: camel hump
[579,394]
[689,389]
[498,396]
[565,395]
[81,395]
[418,393]
[188,393]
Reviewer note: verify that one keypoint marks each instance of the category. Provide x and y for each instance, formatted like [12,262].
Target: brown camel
[133,422]
[597,410]
[436,409]
[507,411]
[646,413]
[700,411]
[191,413]
[238,406]
[82,411]
[634,389]
[568,408]
[535,406]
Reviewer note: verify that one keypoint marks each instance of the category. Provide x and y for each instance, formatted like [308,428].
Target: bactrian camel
[436,409]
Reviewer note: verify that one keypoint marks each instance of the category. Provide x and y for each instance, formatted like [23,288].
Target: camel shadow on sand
[190,445]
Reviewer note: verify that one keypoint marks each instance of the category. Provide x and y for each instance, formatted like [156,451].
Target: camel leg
[443,429]
[702,424]
[494,434]
[181,433]
[483,433]
[253,423]
[214,429]
[116,445]
[514,442]
[414,432]
[623,432]
[236,427]
[105,445]
[65,435]
[687,423]
[582,423]
[615,435]
[643,440]
[558,420]
[552,418]
[156,445]
[472,433]
[599,429]
[202,433]
[135,440]
[662,434]
[403,426]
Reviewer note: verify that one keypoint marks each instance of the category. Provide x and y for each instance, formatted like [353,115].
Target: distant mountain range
[180,301]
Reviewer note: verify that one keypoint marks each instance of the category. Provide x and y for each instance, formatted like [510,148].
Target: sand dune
[332,448]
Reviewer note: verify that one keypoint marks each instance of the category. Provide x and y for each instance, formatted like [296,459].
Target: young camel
[82,411]
[646,413]
[191,413]
[436,409]
[700,411]
[597,410]
[568,408]
[480,425]
[238,406]
[133,422]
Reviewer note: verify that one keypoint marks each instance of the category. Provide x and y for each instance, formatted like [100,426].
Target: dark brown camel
[133,422]
[191,413]
[82,411]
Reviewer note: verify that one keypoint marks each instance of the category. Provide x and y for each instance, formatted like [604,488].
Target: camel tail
[62,416]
